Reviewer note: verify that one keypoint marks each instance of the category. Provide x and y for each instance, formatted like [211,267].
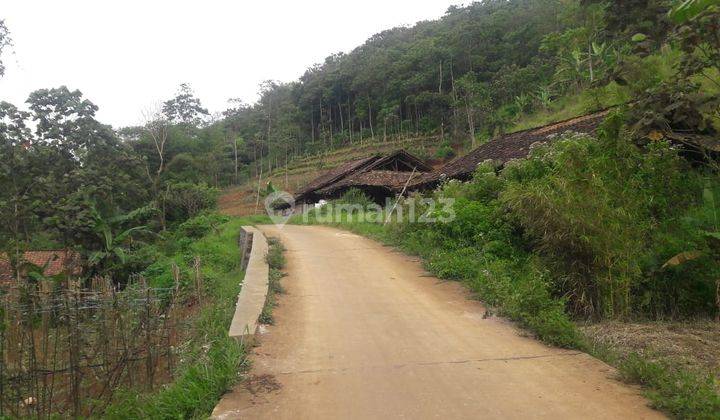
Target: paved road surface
[364,333]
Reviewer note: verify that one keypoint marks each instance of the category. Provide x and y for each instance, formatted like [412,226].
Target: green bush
[200,226]
[184,200]
[445,151]
[355,196]
[685,394]
[604,216]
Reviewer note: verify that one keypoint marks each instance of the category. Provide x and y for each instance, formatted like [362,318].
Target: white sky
[127,55]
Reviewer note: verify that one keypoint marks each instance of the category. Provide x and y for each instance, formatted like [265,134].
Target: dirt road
[363,332]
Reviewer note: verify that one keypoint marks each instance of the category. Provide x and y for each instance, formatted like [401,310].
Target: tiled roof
[510,146]
[54,263]
[390,180]
[352,169]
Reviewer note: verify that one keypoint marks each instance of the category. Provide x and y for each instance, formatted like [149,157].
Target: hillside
[599,235]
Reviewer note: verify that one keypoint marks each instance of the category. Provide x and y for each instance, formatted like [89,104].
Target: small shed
[377,185]
[377,175]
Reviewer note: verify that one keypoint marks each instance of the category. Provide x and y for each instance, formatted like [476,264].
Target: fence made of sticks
[67,349]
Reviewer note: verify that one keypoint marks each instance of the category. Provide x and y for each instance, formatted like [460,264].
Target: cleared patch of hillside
[242,200]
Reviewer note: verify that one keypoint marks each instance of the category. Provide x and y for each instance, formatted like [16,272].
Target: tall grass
[211,361]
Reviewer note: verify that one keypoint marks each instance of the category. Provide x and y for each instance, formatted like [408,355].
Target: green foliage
[275,257]
[688,9]
[185,108]
[354,196]
[50,176]
[185,200]
[603,214]
[689,101]
[682,393]
[5,41]
[114,234]
[479,66]
[213,360]
[276,261]
[445,151]
[200,226]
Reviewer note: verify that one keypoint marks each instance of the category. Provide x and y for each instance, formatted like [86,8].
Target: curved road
[364,333]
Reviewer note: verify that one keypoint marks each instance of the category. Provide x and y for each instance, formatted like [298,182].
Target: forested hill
[472,72]
[479,70]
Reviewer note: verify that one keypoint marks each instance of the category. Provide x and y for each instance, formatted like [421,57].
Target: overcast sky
[127,55]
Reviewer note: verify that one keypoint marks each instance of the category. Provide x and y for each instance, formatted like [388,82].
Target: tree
[16,202]
[5,41]
[50,174]
[185,108]
[157,127]
[476,99]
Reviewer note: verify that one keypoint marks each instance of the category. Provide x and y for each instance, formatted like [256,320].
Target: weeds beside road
[211,361]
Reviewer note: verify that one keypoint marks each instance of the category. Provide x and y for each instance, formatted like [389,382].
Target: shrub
[355,196]
[184,200]
[445,151]
[685,394]
[602,214]
[199,226]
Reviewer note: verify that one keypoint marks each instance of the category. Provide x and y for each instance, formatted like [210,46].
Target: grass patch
[210,361]
[276,254]
[276,261]
[684,393]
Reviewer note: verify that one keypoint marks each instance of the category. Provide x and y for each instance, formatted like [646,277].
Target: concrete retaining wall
[254,287]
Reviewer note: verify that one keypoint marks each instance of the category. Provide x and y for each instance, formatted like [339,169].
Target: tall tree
[185,108]
[5,42]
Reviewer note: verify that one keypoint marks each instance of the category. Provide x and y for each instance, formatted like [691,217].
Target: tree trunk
[312,126]
[342,123]
[332,140]
[417,119]
[350,125]
[455,104]
[385,130]
[257,199]
[236,160]
[590,62]
[471,124]
[441,78]
[372,133]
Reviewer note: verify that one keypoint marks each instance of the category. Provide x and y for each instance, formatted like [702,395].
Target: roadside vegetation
[211,361]
[276,262]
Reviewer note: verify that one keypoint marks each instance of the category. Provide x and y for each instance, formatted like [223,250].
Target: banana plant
[113,240]
[712,238]
[688,9]
[544,97]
